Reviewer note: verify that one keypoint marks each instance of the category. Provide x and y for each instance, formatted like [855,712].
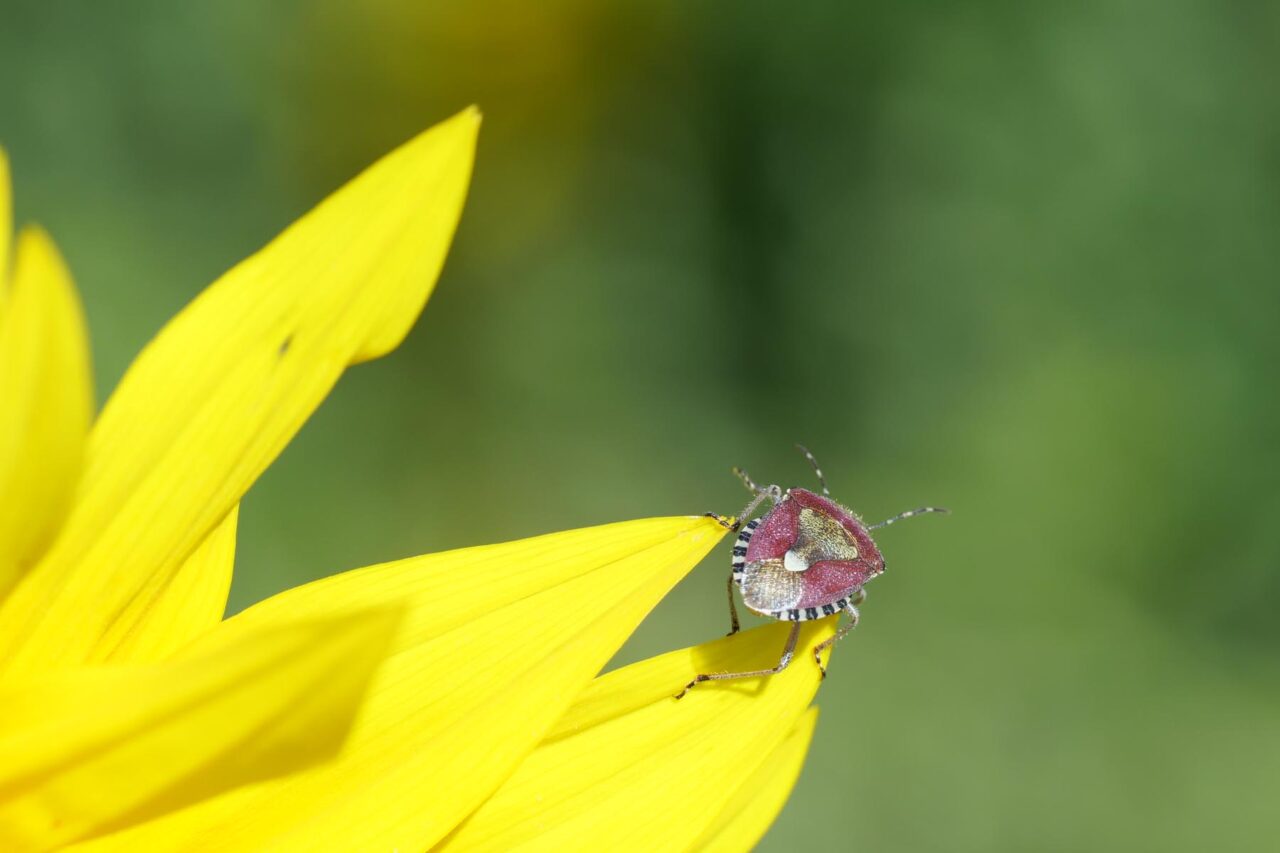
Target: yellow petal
[101,748]
[630,766]
[45,399]
[761,794]
[194,603]
[216,396]
[496,643]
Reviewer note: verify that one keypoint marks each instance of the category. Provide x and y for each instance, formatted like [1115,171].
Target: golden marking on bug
[822,537]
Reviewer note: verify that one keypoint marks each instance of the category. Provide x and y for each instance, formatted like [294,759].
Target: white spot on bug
[793,562]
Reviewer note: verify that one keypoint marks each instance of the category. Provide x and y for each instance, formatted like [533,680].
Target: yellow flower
[440,700]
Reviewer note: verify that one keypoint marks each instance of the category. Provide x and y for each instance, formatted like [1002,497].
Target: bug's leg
[773,493]
[908,514]
[787,653]
[837,636]
[822,481]
[722,520]
[751,506]
[733,609]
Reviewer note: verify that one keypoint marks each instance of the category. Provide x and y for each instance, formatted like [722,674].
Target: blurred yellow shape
[629,767]
[93,749]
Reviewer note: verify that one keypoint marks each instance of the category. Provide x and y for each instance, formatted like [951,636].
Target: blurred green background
[1016,259]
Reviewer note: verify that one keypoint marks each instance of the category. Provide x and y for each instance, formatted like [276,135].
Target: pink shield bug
[807,558]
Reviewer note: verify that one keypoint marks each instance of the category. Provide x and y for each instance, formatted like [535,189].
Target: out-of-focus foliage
[1019,261]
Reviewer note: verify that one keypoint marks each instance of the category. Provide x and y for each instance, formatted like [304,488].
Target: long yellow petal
[761,794]
[496,643]
[216,396]
[45,399]
[101,748]
[630,767]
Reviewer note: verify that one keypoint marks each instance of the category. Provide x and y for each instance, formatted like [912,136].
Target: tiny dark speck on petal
[284,346]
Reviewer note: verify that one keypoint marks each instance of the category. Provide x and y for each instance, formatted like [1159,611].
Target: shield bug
[808,557]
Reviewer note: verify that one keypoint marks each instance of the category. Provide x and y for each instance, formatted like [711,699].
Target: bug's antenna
[746,480]
[908,514]
[814,462]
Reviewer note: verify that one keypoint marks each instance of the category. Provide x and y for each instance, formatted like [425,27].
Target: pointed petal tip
[38,238]
[461,129]
[465,123]
[706,524]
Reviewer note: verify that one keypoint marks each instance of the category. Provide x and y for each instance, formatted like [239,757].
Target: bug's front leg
[772,493]
[724,521]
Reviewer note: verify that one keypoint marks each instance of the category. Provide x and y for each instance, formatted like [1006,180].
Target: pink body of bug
[808,557]
[804,559]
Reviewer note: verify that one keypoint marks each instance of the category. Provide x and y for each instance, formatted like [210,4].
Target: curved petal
[630,766]
[100,748]
[216,396]
[45,398]
[761,794]
[496,643]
